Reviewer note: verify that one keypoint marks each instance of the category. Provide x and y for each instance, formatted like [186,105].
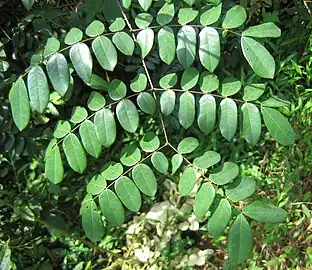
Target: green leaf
[228,173]
[260,60]
[58,73]
[253,91]
[220,218]
[96,82]
[264,30]
[186,15]
[96,185]
[165,14]
[264,212]
[38,89]
[208,82]
[145,179]
[189,78]
[145,39]
[117,90]
[112,208]
[81,58]
[74,153]
[118,25]
[19,102]
[73,36]
[95,28]
[186,48]
[188,145]
[111,10]
[176,162]
[207,113]
[166,44]
[52,46]
[5,257]
[209,48]
[105,52]
[146,103]
[168,81]
[211,16]
[96,101]
[208,159]
[251,123]
[167,102]
[62,129]
[126,3]
[112,170]
[203,200]
[78,115]
[127,115]
[143,20]
[130,155]
[90,139]
[187,181]
[186,112]
[234,17]
[105,127]
[28,3]
[240,189]
[145,4]
[128,193]
[230,87]
[278,126]
[228,119]
[54,169]
[139,83]
[124,43]
[150,142]
[92,222]
[240,240]
[275,102]
[160,162]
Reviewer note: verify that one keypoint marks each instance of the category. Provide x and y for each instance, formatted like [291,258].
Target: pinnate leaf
[112,208]
[220,218]
[204,199]
[75,153]
[54,169]
[19,101]
[145,179]
[228,172]
[128,193]
[278,126]
[127,115]
[240,240]
[264,212]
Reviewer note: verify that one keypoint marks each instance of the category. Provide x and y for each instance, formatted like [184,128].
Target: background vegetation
[40,221]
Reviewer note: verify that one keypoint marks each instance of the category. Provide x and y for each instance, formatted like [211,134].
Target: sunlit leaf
[278,126]
[160,162]
[38,89]
[75,153]
[90,139]
[220,218]
[127,115]
[240,240]
[54,169]
[203,200]
[228,173]
[128,193]
[209,48]
[187,181]
[186,48]
[112,208]
[105,127]
[166,44]
[19,102]
[207,113]
[264,212]
[145,179]
[186,112]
